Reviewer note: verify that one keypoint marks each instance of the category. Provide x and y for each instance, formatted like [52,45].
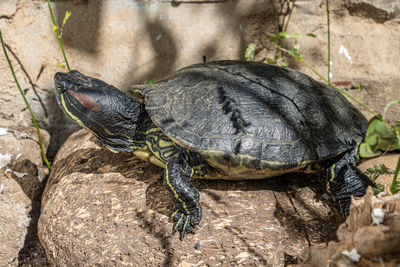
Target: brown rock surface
[378,10]
[112,210]
[14,221]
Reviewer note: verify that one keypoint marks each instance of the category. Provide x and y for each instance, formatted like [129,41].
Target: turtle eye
[62,86]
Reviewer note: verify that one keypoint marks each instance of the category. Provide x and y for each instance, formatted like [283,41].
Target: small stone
[377,216]
[3,131]
[353,255]
[5,159]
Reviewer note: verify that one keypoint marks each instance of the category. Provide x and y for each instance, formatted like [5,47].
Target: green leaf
[67,15]
[295,53]
[60,65]
[272,37]
[250,50]
[381,169]
[375,172]
[311,35]
[366,152]
[378,139]
[55,28]
[282,35]
[378,189]
[385,169]
[270,60]
[294,35]
[151,80]
[360,87]
[370,170]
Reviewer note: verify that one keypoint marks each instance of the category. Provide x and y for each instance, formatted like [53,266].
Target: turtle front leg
[346,180]
[187,209]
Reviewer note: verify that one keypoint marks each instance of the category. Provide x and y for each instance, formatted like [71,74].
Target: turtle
[233,120]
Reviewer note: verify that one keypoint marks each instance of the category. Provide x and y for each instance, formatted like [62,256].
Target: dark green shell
[272,117]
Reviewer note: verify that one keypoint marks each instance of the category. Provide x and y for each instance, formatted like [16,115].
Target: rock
[22,159]
[21,179]
[112,210]
[379,10]
[308,6]
[14,221]
[369,241]
[8,8]
[341,260]
[21,143]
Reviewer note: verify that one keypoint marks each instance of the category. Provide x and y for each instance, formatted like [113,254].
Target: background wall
[126,42]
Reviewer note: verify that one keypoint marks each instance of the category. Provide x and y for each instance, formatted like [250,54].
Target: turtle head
[111,115]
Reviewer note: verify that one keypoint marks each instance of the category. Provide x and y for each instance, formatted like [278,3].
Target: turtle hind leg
[346,180]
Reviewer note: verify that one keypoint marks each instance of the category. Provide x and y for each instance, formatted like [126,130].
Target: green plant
[250,51]
[375,172]
[26,102]
[378,140]
[278,39]
[58,31]
[151,80]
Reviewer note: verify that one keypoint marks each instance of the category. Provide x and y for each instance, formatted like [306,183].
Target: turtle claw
[185,223]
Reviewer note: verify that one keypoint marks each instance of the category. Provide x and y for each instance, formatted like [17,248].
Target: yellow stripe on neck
[78,121]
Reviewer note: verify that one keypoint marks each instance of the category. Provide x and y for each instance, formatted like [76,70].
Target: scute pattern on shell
[246,108]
